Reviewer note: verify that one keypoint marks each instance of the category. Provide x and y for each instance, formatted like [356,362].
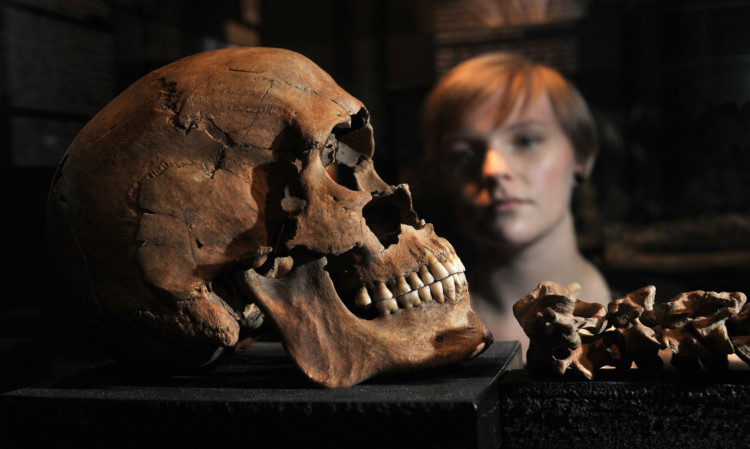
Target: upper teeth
[439,279]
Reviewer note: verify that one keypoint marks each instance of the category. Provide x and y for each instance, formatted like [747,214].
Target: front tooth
[401,287]
[450,267]
[459,285]
[424,273]
[362,298]
[436,268]
[424,293]
[386,306]
[381,292]
[414,281]
[462,277]
[436,288]
[460,265]
[409,300]
[449,288]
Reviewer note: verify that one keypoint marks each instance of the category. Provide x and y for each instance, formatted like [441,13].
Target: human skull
[241,181]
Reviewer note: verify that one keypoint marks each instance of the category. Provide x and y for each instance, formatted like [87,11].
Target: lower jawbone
[416,327]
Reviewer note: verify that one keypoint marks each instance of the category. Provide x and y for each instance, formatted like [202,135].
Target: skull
[237,186]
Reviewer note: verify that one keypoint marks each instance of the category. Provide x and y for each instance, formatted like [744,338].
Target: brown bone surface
[234,188]
[560,330]
[695,328]
[700,328]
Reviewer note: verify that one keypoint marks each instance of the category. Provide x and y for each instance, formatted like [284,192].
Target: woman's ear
[584,167]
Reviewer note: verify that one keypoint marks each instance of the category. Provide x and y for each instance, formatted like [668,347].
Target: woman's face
[512,182]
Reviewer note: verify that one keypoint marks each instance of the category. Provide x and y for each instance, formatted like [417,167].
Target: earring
[578,178]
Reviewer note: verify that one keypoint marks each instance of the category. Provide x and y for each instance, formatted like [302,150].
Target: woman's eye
[461,152]
[527,140]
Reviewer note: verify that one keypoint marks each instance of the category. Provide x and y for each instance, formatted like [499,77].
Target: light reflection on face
[512,182]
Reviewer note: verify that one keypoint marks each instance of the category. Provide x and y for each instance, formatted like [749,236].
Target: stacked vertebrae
[701,329]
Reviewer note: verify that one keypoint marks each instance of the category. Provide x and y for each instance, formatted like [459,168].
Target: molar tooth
[449,288]
[409,300]
[362,298]
[436,288]
[386,306]
[424,293]
[381,292]
[437,269]
[425,275]
[401,287]
[414,281]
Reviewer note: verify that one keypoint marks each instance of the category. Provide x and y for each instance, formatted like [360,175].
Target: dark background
[668,80]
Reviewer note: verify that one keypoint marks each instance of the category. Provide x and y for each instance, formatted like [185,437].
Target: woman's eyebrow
[531,123]
[462,135]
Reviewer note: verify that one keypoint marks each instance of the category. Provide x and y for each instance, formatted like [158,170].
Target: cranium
[241,181]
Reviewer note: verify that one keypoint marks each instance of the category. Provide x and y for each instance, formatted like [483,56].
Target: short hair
[477,79]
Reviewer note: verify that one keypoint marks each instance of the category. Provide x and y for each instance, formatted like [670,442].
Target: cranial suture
[234,189]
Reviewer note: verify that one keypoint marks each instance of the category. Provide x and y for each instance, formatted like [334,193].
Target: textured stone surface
[625,411]
[260,397]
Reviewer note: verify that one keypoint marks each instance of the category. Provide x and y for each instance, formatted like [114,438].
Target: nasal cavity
[384,220]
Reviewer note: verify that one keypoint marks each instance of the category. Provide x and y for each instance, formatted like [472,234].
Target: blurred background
[669,82]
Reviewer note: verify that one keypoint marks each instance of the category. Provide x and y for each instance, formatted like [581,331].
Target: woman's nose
[495,165]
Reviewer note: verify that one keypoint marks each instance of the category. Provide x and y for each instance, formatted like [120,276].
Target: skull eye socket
[340,160]
[328,155]
[346,147]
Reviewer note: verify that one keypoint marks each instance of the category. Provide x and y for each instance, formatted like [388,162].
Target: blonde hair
[475,80]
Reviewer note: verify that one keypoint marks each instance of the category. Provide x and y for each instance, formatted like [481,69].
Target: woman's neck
[509,274]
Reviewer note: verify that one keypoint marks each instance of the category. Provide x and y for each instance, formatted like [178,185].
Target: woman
[511,139]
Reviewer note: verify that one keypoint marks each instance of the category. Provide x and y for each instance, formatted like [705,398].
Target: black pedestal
[626,410]
[260,398]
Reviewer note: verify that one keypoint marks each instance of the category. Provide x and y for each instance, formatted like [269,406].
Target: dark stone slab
[625,410]
[259,397]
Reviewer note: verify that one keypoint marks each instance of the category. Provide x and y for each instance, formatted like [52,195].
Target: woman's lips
[507,204]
